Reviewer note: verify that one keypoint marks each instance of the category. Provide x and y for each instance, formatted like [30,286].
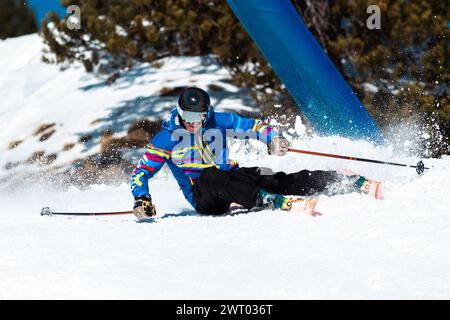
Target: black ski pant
[216,189]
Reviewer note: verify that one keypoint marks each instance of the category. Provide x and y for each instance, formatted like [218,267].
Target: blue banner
[310,77]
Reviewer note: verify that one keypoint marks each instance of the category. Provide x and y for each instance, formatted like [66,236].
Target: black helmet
[193,104]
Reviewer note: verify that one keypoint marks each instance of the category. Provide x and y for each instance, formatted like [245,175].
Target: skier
[192,143]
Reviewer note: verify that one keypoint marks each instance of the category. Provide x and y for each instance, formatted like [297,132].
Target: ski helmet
[193,105]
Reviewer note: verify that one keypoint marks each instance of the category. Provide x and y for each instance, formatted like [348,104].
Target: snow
[369,87]
[35,93]
[359,248]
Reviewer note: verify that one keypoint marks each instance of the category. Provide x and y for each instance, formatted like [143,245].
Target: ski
[307,205]
[375,190]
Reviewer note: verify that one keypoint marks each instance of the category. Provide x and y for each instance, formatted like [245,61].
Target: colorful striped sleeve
[151,162]
[264,130]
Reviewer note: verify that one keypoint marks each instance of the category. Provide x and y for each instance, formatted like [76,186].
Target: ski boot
[369,187]
[273,201]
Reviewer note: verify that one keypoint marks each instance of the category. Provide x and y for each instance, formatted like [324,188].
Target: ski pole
[48,212]
[420,167]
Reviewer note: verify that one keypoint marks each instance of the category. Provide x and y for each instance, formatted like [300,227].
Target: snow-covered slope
[398,247]
[358,248]
[34,93]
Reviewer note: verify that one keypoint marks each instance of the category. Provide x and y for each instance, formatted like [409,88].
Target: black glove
[143,207]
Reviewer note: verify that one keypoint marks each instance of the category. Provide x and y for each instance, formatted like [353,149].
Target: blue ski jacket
[187,154]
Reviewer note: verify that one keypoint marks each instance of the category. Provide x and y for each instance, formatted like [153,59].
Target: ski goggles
[192,117]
